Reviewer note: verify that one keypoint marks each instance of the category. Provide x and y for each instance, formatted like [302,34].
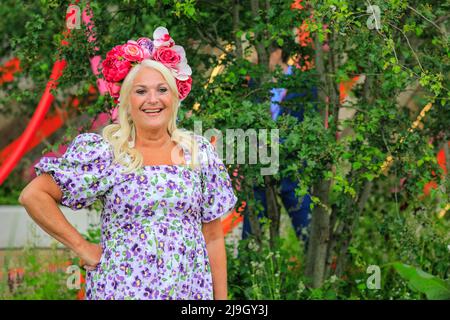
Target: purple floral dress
[153,246]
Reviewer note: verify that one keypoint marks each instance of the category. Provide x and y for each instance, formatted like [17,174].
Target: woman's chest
[167,186]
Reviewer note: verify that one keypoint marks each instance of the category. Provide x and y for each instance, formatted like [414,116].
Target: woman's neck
[152,140]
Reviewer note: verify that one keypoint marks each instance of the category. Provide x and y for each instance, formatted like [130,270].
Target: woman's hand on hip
[90,255]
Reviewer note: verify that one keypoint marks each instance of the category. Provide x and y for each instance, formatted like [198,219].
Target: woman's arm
[40,198]
[215,245]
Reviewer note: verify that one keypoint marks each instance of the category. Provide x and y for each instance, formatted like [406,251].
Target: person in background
[298,208]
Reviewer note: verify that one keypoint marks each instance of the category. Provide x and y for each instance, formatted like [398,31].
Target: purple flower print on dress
[125,190]
[135,249]
[86,167]
[114,284]
[148,292]
[171,214]
[184,289]
[187,175]
[128,209]
[148,213]
[120,278]
[201,282]
[101,287]
[220,207]
[171,184]
[163,203]
[95,185]
[171,169]
[137,282]
[137,225]
[145,273]
[125,267]
[151,258]
[160,263]
[163,230]
[211,200]
[100,166]
[128,227]
[182,249]
[185,220]
[80,204]
[142,235]
[161,245]
[135,197]
[180,205]
[142,180]
[198,296]
[117,199]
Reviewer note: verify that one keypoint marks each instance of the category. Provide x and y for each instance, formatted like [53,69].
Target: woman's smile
[152,112]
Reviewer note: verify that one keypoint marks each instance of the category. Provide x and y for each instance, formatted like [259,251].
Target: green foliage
[40,280]
[433,287]
[259,272]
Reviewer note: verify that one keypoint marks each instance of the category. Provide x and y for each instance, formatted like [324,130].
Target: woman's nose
[152,97]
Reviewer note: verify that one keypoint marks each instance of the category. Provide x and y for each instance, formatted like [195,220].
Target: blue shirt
[282,94]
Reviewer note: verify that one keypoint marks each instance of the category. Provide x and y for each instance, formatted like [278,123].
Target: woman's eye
[163,89]
[140,91]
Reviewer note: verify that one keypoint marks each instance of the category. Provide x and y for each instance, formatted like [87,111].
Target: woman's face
[151,101]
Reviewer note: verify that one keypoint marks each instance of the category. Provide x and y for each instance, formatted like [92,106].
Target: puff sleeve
[217,189]
[83,173]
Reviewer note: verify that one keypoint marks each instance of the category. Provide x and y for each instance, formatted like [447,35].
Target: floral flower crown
[120,59]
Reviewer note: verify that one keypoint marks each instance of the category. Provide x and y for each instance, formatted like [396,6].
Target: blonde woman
[163,189]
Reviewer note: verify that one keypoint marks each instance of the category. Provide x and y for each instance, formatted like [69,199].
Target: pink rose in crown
[113,89]
[167,56]
[184,87]
[132,51]
[115,70]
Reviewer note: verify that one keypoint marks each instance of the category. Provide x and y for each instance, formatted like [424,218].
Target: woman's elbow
[40,186]
[26,196]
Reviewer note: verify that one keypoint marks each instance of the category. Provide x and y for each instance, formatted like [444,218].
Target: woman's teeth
[153,111]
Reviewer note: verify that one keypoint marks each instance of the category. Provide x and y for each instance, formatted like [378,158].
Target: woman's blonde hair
[123,134]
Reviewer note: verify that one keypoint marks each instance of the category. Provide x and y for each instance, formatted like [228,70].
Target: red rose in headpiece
[115,70]
[184,87]
[113,89]
[116,52]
